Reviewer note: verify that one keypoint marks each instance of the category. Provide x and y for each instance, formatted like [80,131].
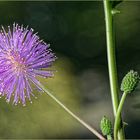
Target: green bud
[130,81]
[106,126]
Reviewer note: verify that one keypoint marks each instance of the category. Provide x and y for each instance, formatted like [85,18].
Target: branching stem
[112,61]
[117,120]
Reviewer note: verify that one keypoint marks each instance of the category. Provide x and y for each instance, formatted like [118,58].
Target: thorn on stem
[115,11]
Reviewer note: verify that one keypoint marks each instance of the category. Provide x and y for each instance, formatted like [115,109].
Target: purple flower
[23,57]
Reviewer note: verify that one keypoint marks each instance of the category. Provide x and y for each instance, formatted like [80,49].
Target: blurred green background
[76,32]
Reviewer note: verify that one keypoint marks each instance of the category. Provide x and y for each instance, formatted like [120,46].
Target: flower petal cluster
[23,57]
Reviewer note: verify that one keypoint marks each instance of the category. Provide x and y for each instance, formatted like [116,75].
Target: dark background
[76,32]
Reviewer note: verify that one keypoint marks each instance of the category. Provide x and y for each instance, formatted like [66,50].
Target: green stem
[109,137]
[72,114]
[112,61]
[117,120]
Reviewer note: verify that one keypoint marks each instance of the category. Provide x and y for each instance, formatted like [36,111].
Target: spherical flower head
[23,57]
[130,81]
[106,126]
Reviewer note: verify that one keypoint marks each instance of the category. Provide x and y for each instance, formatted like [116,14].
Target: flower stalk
[128,85]
[109,137]
[117,119]
[112,62]
[95,132]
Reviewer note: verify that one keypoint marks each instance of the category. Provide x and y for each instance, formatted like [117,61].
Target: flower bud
[130,81]
[106,126]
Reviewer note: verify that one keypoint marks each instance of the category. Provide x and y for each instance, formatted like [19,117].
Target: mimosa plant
[24,57]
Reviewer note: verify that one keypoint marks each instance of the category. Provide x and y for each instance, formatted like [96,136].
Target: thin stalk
[117,120]
[109,137]
[95,132]
[112,61]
